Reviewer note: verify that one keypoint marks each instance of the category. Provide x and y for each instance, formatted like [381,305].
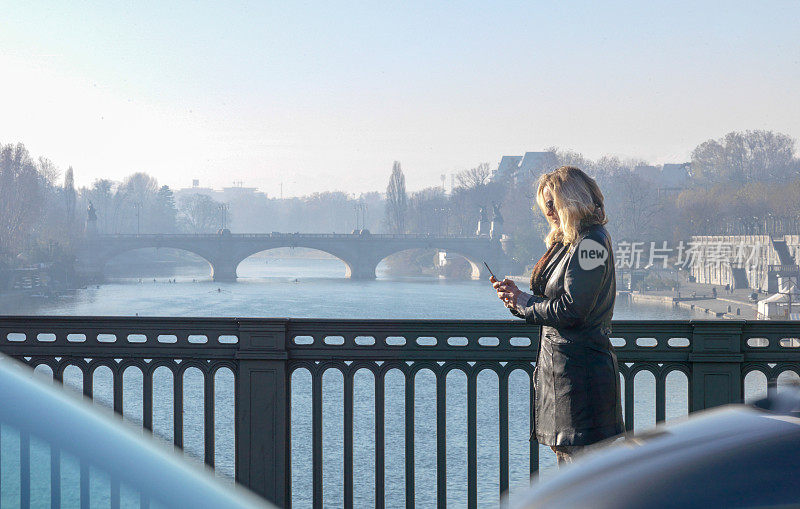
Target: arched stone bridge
[361,253]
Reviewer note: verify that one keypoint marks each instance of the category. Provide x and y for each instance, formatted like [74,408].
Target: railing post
[262,418]
[716,361]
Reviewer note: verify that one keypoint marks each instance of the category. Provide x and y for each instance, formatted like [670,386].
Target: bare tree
[138,202]
[48,171]
[164,211]
[633,207]
[20,198]
[201,213]
[474,177]
[139,187]
[473,191]
[69,193]
[428,211]
[567,157]
[396,200]
[748,156]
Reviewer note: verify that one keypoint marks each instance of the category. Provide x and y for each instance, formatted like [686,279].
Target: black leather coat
[577,398]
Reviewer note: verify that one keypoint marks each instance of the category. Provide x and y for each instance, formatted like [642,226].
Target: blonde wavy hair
[577,200]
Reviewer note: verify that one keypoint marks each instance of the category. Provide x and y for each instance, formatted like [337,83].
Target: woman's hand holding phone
[507,291]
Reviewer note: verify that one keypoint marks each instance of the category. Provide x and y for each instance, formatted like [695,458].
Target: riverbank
[692,296]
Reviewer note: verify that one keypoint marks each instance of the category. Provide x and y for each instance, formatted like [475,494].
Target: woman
[577,398]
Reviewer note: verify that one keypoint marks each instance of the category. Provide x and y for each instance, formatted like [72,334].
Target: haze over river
[297,288]
[302,287]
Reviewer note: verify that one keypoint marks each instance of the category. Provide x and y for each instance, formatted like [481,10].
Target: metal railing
[263,355]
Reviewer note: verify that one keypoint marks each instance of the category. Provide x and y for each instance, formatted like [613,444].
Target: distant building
[649,173]
[669,178]
[536,163]
[508,165]
[675,176]
[195,189]
[532,164]
[232,193]
[225,195]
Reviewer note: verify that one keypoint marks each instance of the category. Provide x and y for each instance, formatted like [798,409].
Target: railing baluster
[24,469]
[441,439]
[629,401]
[503,384]
[409,457]
[534,443]
[289,437]
[661,397]
[316,430]
[88,380]
[472,439]
[348,438]
[177,408]
[116,375]
[147,399]
[380,465]
[208,417]
[88,390]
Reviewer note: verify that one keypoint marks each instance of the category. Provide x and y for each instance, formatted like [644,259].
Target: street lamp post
[363,215]
[138,206]
[357,212]
[223,207]
[360,210]
[442,219]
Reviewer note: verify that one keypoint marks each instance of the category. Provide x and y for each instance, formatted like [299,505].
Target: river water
[302,287]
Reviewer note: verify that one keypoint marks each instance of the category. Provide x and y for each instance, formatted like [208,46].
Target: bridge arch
[343,267]
[112,256]
[102,258]
[344,253]
[475,263]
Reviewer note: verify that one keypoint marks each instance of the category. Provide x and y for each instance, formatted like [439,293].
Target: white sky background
[325,95]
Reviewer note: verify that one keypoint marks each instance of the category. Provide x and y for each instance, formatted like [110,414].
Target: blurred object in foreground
[731,456]
[66,454]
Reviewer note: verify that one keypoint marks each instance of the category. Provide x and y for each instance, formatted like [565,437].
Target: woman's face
[551,214]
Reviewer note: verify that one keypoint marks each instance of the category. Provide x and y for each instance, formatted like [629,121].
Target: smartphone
[490,271]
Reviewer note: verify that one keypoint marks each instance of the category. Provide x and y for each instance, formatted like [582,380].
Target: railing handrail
[349,330]
[205,236]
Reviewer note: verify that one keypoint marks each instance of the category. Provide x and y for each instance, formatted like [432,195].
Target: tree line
[43,215]
[740,179]
[736,184]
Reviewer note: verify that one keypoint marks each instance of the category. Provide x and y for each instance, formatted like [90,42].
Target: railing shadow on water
[356,413]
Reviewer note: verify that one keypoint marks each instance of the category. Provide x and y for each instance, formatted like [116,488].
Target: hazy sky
[325,95]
